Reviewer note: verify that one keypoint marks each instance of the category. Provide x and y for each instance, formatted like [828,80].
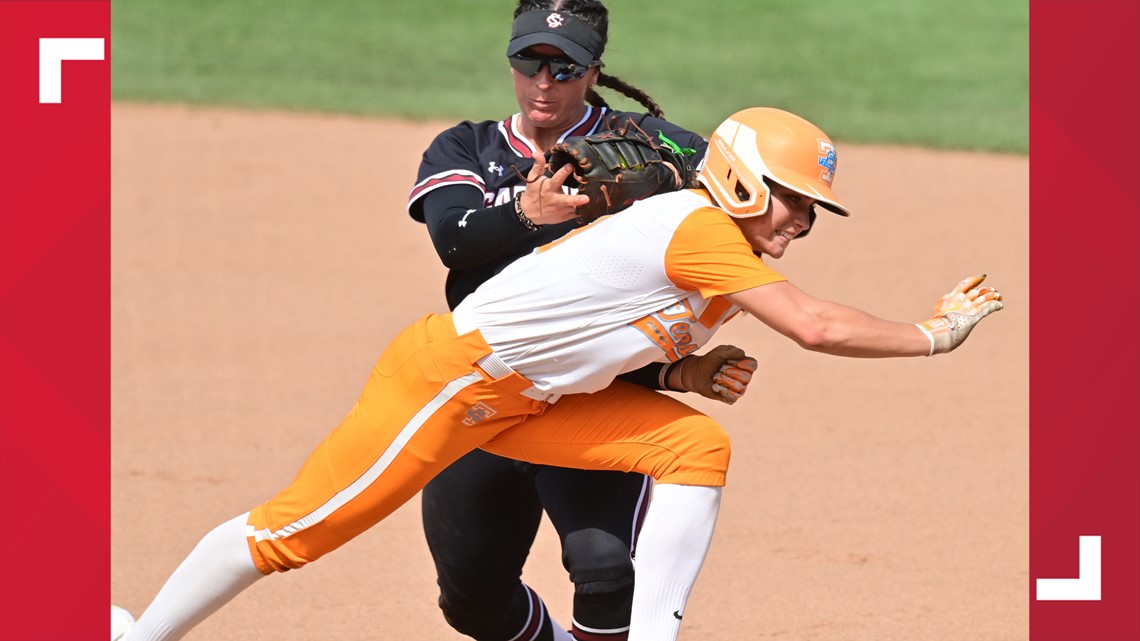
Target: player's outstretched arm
[832,328]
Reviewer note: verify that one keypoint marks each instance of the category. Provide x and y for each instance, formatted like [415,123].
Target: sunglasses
[561,70]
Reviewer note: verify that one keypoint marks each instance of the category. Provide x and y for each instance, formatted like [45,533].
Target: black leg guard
[597,515]
[602,572]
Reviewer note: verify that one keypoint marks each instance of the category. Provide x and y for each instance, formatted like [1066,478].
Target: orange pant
[427,403]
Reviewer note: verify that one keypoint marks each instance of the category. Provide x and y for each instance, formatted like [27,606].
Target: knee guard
[597,561]
[602,571]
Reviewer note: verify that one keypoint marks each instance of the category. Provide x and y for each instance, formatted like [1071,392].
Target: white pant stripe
[376,469]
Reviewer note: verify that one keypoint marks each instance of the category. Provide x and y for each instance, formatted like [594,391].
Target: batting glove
[723,374]
[956,313]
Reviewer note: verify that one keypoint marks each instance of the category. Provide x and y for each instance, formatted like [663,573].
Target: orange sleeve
[709,254]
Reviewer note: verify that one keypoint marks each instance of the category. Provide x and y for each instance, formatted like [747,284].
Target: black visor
[578,40]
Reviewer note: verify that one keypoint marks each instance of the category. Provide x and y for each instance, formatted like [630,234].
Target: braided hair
[595,14]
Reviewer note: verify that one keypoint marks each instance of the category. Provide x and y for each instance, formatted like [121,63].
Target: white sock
[674,540]
[217,570]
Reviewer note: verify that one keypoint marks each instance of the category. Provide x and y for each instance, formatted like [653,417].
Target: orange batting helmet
[760,143]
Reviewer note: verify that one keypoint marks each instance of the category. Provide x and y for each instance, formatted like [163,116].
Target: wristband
[663,377]
[526,222]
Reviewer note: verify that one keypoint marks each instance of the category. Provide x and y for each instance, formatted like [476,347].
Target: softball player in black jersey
[481,515]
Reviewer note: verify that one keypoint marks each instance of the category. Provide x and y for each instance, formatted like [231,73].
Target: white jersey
[641,286]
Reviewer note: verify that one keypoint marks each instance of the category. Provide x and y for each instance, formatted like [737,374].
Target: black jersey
[493,157]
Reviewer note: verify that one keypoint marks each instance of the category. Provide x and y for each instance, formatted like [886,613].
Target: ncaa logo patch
[827,159]
[554,20]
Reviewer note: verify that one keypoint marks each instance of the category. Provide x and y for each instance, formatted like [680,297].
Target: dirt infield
[261,262]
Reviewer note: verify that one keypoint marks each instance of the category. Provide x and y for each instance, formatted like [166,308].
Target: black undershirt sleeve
[647,376]
[465,233]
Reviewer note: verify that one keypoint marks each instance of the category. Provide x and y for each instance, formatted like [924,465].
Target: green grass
[939,73]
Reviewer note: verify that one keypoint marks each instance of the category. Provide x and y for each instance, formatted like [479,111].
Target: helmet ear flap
[763,197]
[737,188]
[739,198]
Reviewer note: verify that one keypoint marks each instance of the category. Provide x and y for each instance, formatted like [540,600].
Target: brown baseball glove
[618,166]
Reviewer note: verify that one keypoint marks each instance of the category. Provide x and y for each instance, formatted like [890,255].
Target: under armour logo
[495,168]
[478,413]
[463,221]
[554,20]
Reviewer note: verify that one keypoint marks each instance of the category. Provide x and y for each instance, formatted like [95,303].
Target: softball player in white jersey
[644,284]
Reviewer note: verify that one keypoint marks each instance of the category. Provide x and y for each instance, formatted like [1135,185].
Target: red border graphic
[55,332]
[1084,348]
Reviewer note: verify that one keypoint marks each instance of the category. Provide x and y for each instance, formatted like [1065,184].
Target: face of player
[789,215]
[547,103]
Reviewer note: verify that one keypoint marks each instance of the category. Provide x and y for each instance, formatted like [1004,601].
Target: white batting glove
[956,313]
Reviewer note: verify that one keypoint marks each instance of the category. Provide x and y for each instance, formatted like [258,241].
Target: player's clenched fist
[956,313]
[722,374]
[733,378]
